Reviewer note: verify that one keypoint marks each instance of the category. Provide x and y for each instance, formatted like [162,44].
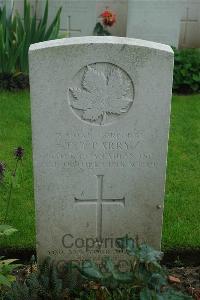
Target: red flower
[108,17]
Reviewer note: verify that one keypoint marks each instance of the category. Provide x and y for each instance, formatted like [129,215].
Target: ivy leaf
[101,95]
[143,252]
[148,255]
[122,277]
[147,294]
[157,281]
[90,270]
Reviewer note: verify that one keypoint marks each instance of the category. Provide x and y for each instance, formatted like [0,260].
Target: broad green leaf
[90,270]
[148,255]
[157,281]
[122,277]
[147,294]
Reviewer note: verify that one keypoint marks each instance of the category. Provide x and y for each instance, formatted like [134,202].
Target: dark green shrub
[6,265]
[186,71]
[14,82]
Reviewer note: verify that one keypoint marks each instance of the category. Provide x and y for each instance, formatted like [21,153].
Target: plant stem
[10,191]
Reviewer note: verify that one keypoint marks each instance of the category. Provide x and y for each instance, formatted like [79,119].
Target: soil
[189,280]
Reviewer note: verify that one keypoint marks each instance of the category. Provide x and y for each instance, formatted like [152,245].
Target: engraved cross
[99,205]
[69,29]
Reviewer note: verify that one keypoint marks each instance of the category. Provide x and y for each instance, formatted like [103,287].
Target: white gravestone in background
[82,15]
[100,120]
[155,20]
[190,25]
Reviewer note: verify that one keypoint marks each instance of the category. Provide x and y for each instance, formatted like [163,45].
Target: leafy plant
[30,31]
[108,19]
[17,34]
[6,265]
[6,268]
[186,70]
[99,29]
[41,285]
[10,44]
[146,279]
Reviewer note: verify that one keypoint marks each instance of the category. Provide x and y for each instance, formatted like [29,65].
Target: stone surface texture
[100,121]
[155,20]
[82,15]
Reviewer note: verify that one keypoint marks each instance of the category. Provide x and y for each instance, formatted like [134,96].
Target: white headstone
[100,119]
[155,20]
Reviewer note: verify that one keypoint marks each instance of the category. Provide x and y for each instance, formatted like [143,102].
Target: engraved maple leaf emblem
[101,95]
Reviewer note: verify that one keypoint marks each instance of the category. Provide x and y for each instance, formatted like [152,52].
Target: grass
[182,206]
[182,197]
[15,130]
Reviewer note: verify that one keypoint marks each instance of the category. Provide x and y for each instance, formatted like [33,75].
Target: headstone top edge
[101,40]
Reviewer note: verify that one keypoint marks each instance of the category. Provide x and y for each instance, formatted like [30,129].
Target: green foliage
[42,285]
[10,44]
[17,34]
[146,279]
[99,29]
[6,265]
[32,32]
[6,268]
[187,70]
[141,252]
